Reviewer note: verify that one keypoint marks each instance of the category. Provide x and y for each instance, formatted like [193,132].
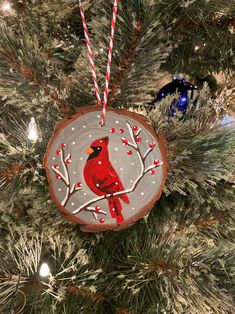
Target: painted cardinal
[102,178]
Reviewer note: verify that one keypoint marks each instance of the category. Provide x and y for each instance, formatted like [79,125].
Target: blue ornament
[185,90]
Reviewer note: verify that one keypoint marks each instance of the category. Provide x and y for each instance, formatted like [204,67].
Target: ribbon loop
[90,56]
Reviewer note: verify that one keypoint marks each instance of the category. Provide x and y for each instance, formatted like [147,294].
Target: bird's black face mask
[96,152]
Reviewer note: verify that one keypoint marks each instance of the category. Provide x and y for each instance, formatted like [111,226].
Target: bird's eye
[98,148]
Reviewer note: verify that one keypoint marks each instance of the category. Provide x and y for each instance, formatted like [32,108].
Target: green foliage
[181,257]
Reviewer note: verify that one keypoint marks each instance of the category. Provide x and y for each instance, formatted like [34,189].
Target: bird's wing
[108,181]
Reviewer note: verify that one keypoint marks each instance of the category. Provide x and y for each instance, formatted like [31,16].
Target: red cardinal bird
[102,178]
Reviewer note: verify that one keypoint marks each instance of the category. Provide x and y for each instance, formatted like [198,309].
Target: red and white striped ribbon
[90,56]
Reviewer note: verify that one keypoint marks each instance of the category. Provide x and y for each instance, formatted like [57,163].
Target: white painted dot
[89,135]
[99,162]
[98,116]
[132,163]
[154,182]
[53,158]
[116,149]
[84,194]
[83,126]
[81,158]
[101,141]
[115,161]
[133,208]
[117,122]
[146,141]
[74,172]
[59,189]
[131,181]
[72,204]
[121,169]
[97,185]
[73,143]
[73,129]
[116,183]
[142,193]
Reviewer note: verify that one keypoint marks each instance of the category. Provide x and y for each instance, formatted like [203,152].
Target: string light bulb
[44,270]
[6,7]
[33,133]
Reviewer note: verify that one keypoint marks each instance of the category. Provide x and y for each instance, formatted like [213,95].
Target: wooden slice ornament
[105,175]
[105,178]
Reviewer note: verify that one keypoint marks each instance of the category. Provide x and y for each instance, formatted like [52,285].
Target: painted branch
[100,198]
[63,162]
[60,174]
[95,212]
[147,153]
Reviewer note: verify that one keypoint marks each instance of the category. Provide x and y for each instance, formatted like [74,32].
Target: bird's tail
[115,208]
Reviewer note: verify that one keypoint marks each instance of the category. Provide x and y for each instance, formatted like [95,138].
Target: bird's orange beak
[89,150]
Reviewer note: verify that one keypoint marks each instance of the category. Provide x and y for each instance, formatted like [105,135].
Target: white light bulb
[44,270]
[33,130]
[6,7]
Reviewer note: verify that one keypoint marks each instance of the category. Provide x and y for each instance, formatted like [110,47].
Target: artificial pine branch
[179,259]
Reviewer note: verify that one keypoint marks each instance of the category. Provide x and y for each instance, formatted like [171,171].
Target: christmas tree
[180,258]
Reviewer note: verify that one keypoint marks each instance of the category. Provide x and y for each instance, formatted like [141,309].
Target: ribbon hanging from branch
[91,59]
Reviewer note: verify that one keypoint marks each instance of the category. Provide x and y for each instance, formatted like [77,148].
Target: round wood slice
[105,178]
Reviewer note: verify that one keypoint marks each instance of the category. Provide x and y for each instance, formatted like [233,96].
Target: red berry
[102,220]
[157,162]
[152,145]
[112,130]
[121,131]
[56,167]
[79,184]
[58,152]
[63,145]
[68,161]
[97,208]
[124,141]
[152,172]
[58,177]
[138,139]
[129,152]
[135,128]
